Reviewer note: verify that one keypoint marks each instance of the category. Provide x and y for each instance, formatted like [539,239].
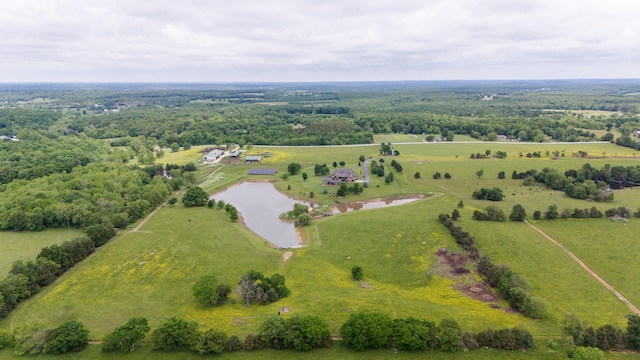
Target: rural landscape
[426,219]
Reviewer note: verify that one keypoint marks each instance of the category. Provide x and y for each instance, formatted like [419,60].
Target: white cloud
[288,40]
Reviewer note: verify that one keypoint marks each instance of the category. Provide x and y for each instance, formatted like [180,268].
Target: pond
[260,205]
[362,205]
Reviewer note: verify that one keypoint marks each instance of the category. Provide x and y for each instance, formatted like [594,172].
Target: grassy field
[150,273]
[27,245]
[337,351]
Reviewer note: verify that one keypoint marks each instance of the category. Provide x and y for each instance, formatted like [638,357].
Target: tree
[294,168]
[205,290]
[195,196]
[357,273]
[552,212]
[447,176]
[633,332]
[501,175]
[536,215]
[361,158]
[449,335]
[173,201]
[416,175]
[304,220]
[305,176]
[335,164]
[479,173]
[342,163]
[175,334]
[366,330]
[460,204]
[221,204]
[455,214]
[211,203]
[69,336]
[272,332]
[304,333]
[124,337]
[233,215]
[246,289]
[100,233]
[587,353]
[517,213]
[211,342]
[175,147]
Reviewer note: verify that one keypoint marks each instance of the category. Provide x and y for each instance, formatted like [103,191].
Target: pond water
[342,208]
[260,205]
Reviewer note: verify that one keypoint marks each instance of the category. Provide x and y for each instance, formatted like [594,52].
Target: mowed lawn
[27,245]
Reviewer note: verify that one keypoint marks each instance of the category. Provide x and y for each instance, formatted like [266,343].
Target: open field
[150,273]
[27,245]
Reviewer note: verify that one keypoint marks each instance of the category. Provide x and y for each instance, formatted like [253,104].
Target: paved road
[589,270]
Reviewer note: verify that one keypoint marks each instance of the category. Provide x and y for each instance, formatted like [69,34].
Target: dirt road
[588,269]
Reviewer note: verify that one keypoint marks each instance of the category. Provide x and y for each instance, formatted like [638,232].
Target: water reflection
[342,208]
[260,205]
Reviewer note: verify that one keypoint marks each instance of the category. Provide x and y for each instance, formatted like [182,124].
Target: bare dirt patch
[286,256]
[455,266]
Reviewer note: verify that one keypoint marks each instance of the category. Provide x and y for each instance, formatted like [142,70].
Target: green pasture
[27,245]
[397,138]
[337,351]
[150,273]
[607,247]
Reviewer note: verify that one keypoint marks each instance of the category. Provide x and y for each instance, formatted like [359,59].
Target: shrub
[234,343]
[253,342]
[70,336]
[175,334]
[366,330]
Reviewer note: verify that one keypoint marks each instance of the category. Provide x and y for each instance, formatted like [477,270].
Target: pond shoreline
[333,209]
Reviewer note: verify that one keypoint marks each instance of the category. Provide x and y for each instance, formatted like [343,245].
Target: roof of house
[263,171]
[343,173]
[214,153]
[235,153]
[253,158]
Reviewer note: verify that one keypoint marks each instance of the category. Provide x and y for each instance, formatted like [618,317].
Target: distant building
[212,156]
[253,158]
[502,137]
[340,175]
[12,138]
[636,133]
[235,153]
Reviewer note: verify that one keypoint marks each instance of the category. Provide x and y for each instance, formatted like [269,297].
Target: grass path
[588,269]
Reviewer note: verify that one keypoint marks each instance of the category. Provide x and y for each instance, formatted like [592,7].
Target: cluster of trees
[487,154]
[254,287]
[353,188]
[301,333]
[27,278]
[37,155]
[209,292]
[490,213]
[493,194]
[300,212]
[70,336]
[606,337]
[387,150]
[586,182]
[463,238]
[396,165]
[377,169]
[493,213]
[321,170]
[512,287]
[98,193]
[553,213]
[437,175]
[369,330]
[628,141]
[195,196]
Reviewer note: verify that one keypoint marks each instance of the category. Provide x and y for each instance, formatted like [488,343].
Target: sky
[327,40]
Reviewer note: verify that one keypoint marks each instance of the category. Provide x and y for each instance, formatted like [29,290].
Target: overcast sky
[321,40]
